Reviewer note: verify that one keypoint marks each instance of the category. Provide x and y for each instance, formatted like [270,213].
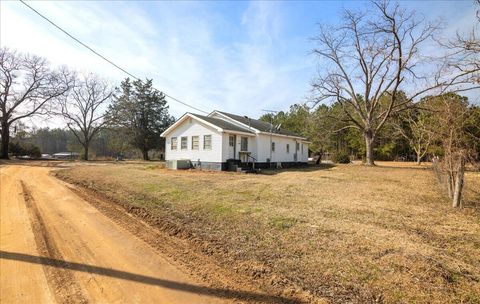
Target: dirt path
[56,247]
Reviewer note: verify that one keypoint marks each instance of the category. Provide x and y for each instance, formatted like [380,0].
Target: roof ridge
[264,126]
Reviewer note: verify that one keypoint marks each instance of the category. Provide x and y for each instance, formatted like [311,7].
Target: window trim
[204,142]
[186,143]
[172,140]
[198,142]
[241,143]
[231,141]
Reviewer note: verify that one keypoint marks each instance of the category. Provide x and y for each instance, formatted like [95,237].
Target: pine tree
[143,111]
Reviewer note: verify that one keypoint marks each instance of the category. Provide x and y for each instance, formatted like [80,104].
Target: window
[298,146]
[302,148]
[231,141]
[173,144]
[183,143]
[207,142]
[273,146]
[288,148]
[244,144]
[194,142]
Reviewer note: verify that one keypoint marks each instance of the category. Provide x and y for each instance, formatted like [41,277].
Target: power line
[106,59]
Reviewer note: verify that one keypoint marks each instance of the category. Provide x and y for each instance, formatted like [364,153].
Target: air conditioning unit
[179,164]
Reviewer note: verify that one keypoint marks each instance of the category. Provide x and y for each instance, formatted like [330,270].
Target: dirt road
[56,247]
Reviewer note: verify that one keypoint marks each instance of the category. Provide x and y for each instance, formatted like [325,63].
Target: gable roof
[225,125]
[260,125]
[219,124]
[251,126]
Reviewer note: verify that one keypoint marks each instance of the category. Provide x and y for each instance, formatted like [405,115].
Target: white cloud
[178,50]
[191,52]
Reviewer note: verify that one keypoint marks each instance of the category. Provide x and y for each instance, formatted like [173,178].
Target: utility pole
[271,129]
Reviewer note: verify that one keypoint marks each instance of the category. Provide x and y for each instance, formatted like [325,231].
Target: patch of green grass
[154,167]
[149,188]
[220,209]
[283,222]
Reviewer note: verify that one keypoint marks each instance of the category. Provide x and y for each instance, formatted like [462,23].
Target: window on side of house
[195,142]
[207,142]
[231,141]
[273,146]
[298,146]
[184,143]
[288,148]
[244,144]
[302,148]
[173,144]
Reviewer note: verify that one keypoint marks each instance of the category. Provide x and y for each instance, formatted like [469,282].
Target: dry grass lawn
[346,233]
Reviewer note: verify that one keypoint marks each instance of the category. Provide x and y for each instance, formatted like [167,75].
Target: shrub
[20,149]
[341,158]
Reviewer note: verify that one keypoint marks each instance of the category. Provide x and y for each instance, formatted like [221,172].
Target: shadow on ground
[217,292]
[307,168]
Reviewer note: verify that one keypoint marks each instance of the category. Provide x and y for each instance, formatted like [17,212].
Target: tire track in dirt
[60,280]
[222,282]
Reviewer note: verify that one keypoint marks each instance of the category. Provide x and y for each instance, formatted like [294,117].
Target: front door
[232,141]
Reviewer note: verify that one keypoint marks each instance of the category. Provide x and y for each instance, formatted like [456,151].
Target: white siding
[192,127]
[252,147]
[280,154]
[303,157]
[258,145]
[225,147]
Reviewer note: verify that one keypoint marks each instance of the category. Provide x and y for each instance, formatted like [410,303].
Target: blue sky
[239,57]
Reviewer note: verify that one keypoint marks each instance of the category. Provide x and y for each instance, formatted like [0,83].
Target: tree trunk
[319,159]
[5,141]
[419,158]
[145,154]
[369,149]
[449,185]
[85,151]
[457,194]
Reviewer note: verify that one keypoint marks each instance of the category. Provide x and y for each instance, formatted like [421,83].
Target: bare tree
[28,87]
[455,129]
[414,125]
[371,57]
[458,137]
[84,109]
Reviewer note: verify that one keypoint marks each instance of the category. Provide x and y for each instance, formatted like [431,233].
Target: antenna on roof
[248,118]
[271,112]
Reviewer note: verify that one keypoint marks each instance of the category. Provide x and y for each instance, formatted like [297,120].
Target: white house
[220,139]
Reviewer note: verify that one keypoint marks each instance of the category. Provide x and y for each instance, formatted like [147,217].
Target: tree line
[390,87]
[89,105]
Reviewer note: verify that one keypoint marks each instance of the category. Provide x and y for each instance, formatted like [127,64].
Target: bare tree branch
[29,87]
[82,109]
[382,53]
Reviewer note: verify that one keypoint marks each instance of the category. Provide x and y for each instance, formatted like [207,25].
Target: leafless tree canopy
[414,127]
[82,108]
[372,56]
[463,52]
[27,87]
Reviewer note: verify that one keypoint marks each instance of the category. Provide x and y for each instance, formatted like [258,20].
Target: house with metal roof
[224,141]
